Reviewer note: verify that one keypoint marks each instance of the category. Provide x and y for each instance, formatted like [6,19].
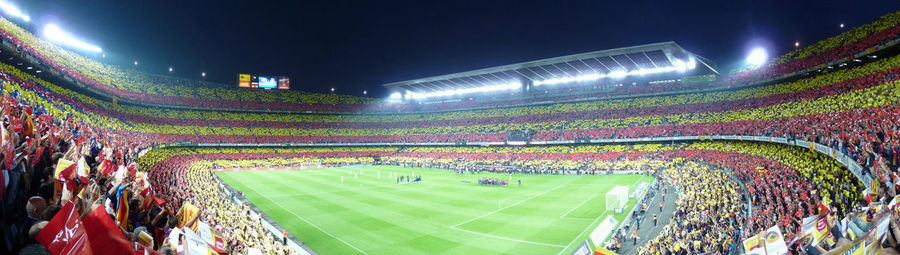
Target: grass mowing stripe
[517,203]
[380,217]
[371,209]
[303,219]
[578,206]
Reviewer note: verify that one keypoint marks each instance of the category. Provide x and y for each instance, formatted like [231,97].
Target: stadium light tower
[54,33]
[758,56]
[13,11]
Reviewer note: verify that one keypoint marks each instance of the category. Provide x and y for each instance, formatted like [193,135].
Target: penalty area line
[303,219]
[579,205]
[506,238]
[515,204]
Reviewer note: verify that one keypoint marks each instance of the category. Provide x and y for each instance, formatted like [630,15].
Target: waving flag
[65,233]
[105,236]
[122,206]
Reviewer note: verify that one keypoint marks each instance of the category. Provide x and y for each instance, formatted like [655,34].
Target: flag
[105,236]
[188,213]
[131,171]
[64,169]
[775,242]
[855,248]
[815,227]
[9,149]
[751,243]
[122,206]
[28,124]
[65,233]
[37,156]
[82,170]
[106,167]
[194,244]
[145,239]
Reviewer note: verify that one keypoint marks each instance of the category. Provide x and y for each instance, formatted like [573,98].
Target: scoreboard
[263,81]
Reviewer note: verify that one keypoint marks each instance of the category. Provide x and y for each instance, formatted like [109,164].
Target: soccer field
[548,214]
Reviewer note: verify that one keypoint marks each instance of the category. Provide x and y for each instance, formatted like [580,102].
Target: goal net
[617,198]
[306,165]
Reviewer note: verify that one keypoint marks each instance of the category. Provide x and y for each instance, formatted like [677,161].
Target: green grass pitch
[548,214]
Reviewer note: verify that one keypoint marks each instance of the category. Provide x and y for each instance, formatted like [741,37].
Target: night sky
[358,45]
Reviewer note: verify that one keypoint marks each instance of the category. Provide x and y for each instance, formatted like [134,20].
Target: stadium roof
[615,63]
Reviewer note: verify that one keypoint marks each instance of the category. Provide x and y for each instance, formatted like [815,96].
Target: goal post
[616,198]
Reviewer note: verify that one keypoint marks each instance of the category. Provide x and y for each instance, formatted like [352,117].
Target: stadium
[647,148]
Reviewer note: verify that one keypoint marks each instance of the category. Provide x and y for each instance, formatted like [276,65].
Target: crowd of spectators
[766,110]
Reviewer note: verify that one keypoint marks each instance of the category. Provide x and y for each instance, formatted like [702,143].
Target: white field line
[339,191]
[582,232]
[505,238]
[574,218]
[579,205]
[515,204]
[303,219]
[591,225]
[500,204]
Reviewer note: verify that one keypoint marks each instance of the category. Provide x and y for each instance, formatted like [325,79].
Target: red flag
[106,167]
[9,150]
[131,171]
[37,156]
[65,233]
[66,174]
[105,236]
[159,201]
[145,192]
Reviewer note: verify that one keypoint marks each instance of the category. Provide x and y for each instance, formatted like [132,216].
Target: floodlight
[365,92]
[170,69]
[203,74]
[617,74]
[135,62]
[580,78]
[489,88]
[54,33]
[757,56]
[842,25]
[14,11]
[396,95]
[332,89]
